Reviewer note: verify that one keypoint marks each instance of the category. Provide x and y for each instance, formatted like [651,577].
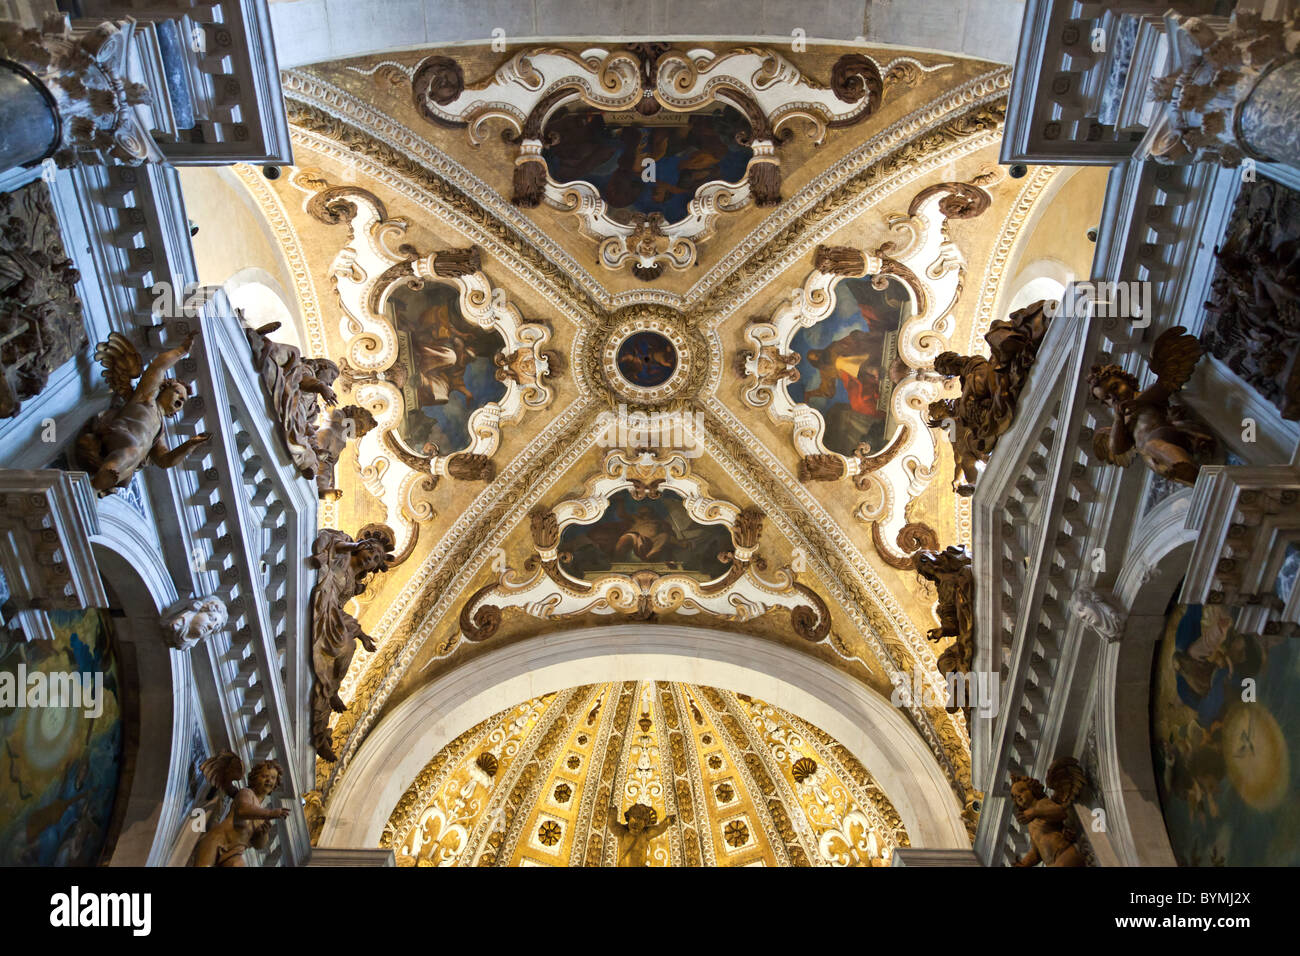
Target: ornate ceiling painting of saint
[452,366]
[850,364]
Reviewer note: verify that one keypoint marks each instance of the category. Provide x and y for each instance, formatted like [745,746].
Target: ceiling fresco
[648,333]
[644,773]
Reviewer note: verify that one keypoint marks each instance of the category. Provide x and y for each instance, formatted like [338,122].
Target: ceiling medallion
[646,358]
[648,355]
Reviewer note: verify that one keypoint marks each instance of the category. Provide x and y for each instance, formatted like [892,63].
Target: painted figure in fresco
[647,359]
[248,823]
[848,376]
[1194,768]
[116,443]
[1051,835]
[1151,421]
[646,535]
[346,567]
[441,354]
[635,835]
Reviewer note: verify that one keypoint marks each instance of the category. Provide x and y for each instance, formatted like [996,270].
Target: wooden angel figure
[116,443]
[1052,838]
[1151,422]
[248,822]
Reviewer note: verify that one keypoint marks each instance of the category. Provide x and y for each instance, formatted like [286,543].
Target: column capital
[1216,68]
[84,70]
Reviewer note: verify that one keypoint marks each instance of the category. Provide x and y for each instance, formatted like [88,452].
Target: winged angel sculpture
[346,566]
[248,823]
[1051,836]
[1152,421]
[116,443]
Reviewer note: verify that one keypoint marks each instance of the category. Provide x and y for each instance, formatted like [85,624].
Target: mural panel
[643,165]
[452,370]
[1225,766]
[845,363]
[651,535]
[59,766]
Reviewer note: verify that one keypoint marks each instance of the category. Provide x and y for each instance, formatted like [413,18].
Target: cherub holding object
[1051,836]
[1163,431]
[248,824]
[634,836]
[117,442]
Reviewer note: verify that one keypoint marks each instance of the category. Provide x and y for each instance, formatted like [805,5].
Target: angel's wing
[1101,448]
[122,363]
[223,771]
[1066,780]
[1173,358]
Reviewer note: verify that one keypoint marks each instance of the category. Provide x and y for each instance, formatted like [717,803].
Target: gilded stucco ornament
[547,590]
[644,773]
[762,86]
[929,268]
[368,270]
[719,290]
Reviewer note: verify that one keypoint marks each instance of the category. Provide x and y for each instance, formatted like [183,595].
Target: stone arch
[863,721]
[1144,587]
[157,683]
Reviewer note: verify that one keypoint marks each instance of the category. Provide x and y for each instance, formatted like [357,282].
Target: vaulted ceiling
[478,237]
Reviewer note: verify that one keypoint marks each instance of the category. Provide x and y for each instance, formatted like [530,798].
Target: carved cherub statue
[1051,836]
[341,426]
[248,824]
[117,442]
[634,836]
[193,620]
[1151,422]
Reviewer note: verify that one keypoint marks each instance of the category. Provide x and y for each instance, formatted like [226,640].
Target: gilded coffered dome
[644,773]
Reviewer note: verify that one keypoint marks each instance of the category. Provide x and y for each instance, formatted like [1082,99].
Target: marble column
[30,130]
